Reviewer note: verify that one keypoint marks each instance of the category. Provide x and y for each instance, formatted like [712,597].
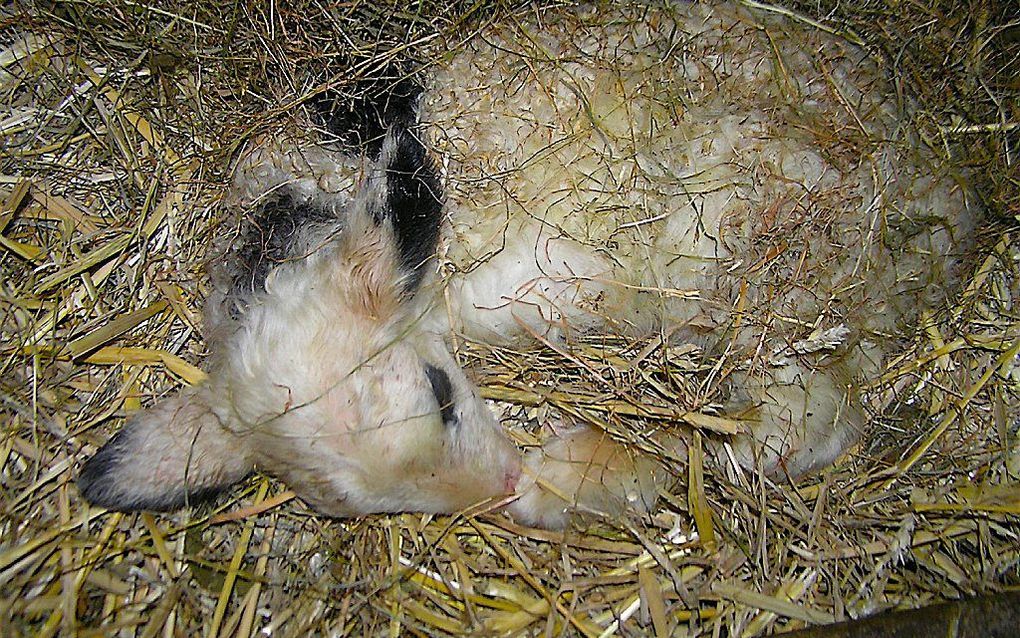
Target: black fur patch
[361,122]
[100,485]
[270,239]
[414,205]
[442,389]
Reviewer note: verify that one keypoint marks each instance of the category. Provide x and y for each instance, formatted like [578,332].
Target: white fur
[637,169]
[717,174]
[726,177]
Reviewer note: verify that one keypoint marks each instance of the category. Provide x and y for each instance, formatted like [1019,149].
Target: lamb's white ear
[173,454]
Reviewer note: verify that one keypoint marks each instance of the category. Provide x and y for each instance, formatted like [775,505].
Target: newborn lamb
[718,176]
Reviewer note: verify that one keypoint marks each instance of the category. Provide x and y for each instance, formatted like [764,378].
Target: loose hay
[118,124]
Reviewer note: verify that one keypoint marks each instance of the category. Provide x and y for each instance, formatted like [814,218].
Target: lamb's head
[327,368]
[425,442]
[380,419]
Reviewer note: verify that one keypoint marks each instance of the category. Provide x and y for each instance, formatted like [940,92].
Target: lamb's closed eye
[442,388]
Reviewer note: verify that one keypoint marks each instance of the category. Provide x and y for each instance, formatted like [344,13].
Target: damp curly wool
[704,172]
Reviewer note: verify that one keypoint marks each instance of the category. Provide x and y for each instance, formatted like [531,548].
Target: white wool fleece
[722,176]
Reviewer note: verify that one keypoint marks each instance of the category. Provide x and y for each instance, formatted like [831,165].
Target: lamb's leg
[584,471]
[799,419]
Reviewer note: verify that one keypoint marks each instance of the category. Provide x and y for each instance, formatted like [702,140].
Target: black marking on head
[274,236]
[414,204]
[100,485]
[442,389]
[361,122]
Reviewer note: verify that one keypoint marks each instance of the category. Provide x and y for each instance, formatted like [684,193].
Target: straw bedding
[120,123]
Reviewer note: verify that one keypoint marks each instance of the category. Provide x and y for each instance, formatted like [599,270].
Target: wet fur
[796,225]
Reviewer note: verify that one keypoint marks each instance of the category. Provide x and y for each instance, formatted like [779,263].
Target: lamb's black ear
[414,202]
[273,235]
[173,454]
[378,117]
[361,115]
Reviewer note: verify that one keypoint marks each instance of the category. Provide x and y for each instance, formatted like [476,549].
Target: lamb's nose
[511,477]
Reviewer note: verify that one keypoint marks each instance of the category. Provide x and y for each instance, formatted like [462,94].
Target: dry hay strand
[118,123]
